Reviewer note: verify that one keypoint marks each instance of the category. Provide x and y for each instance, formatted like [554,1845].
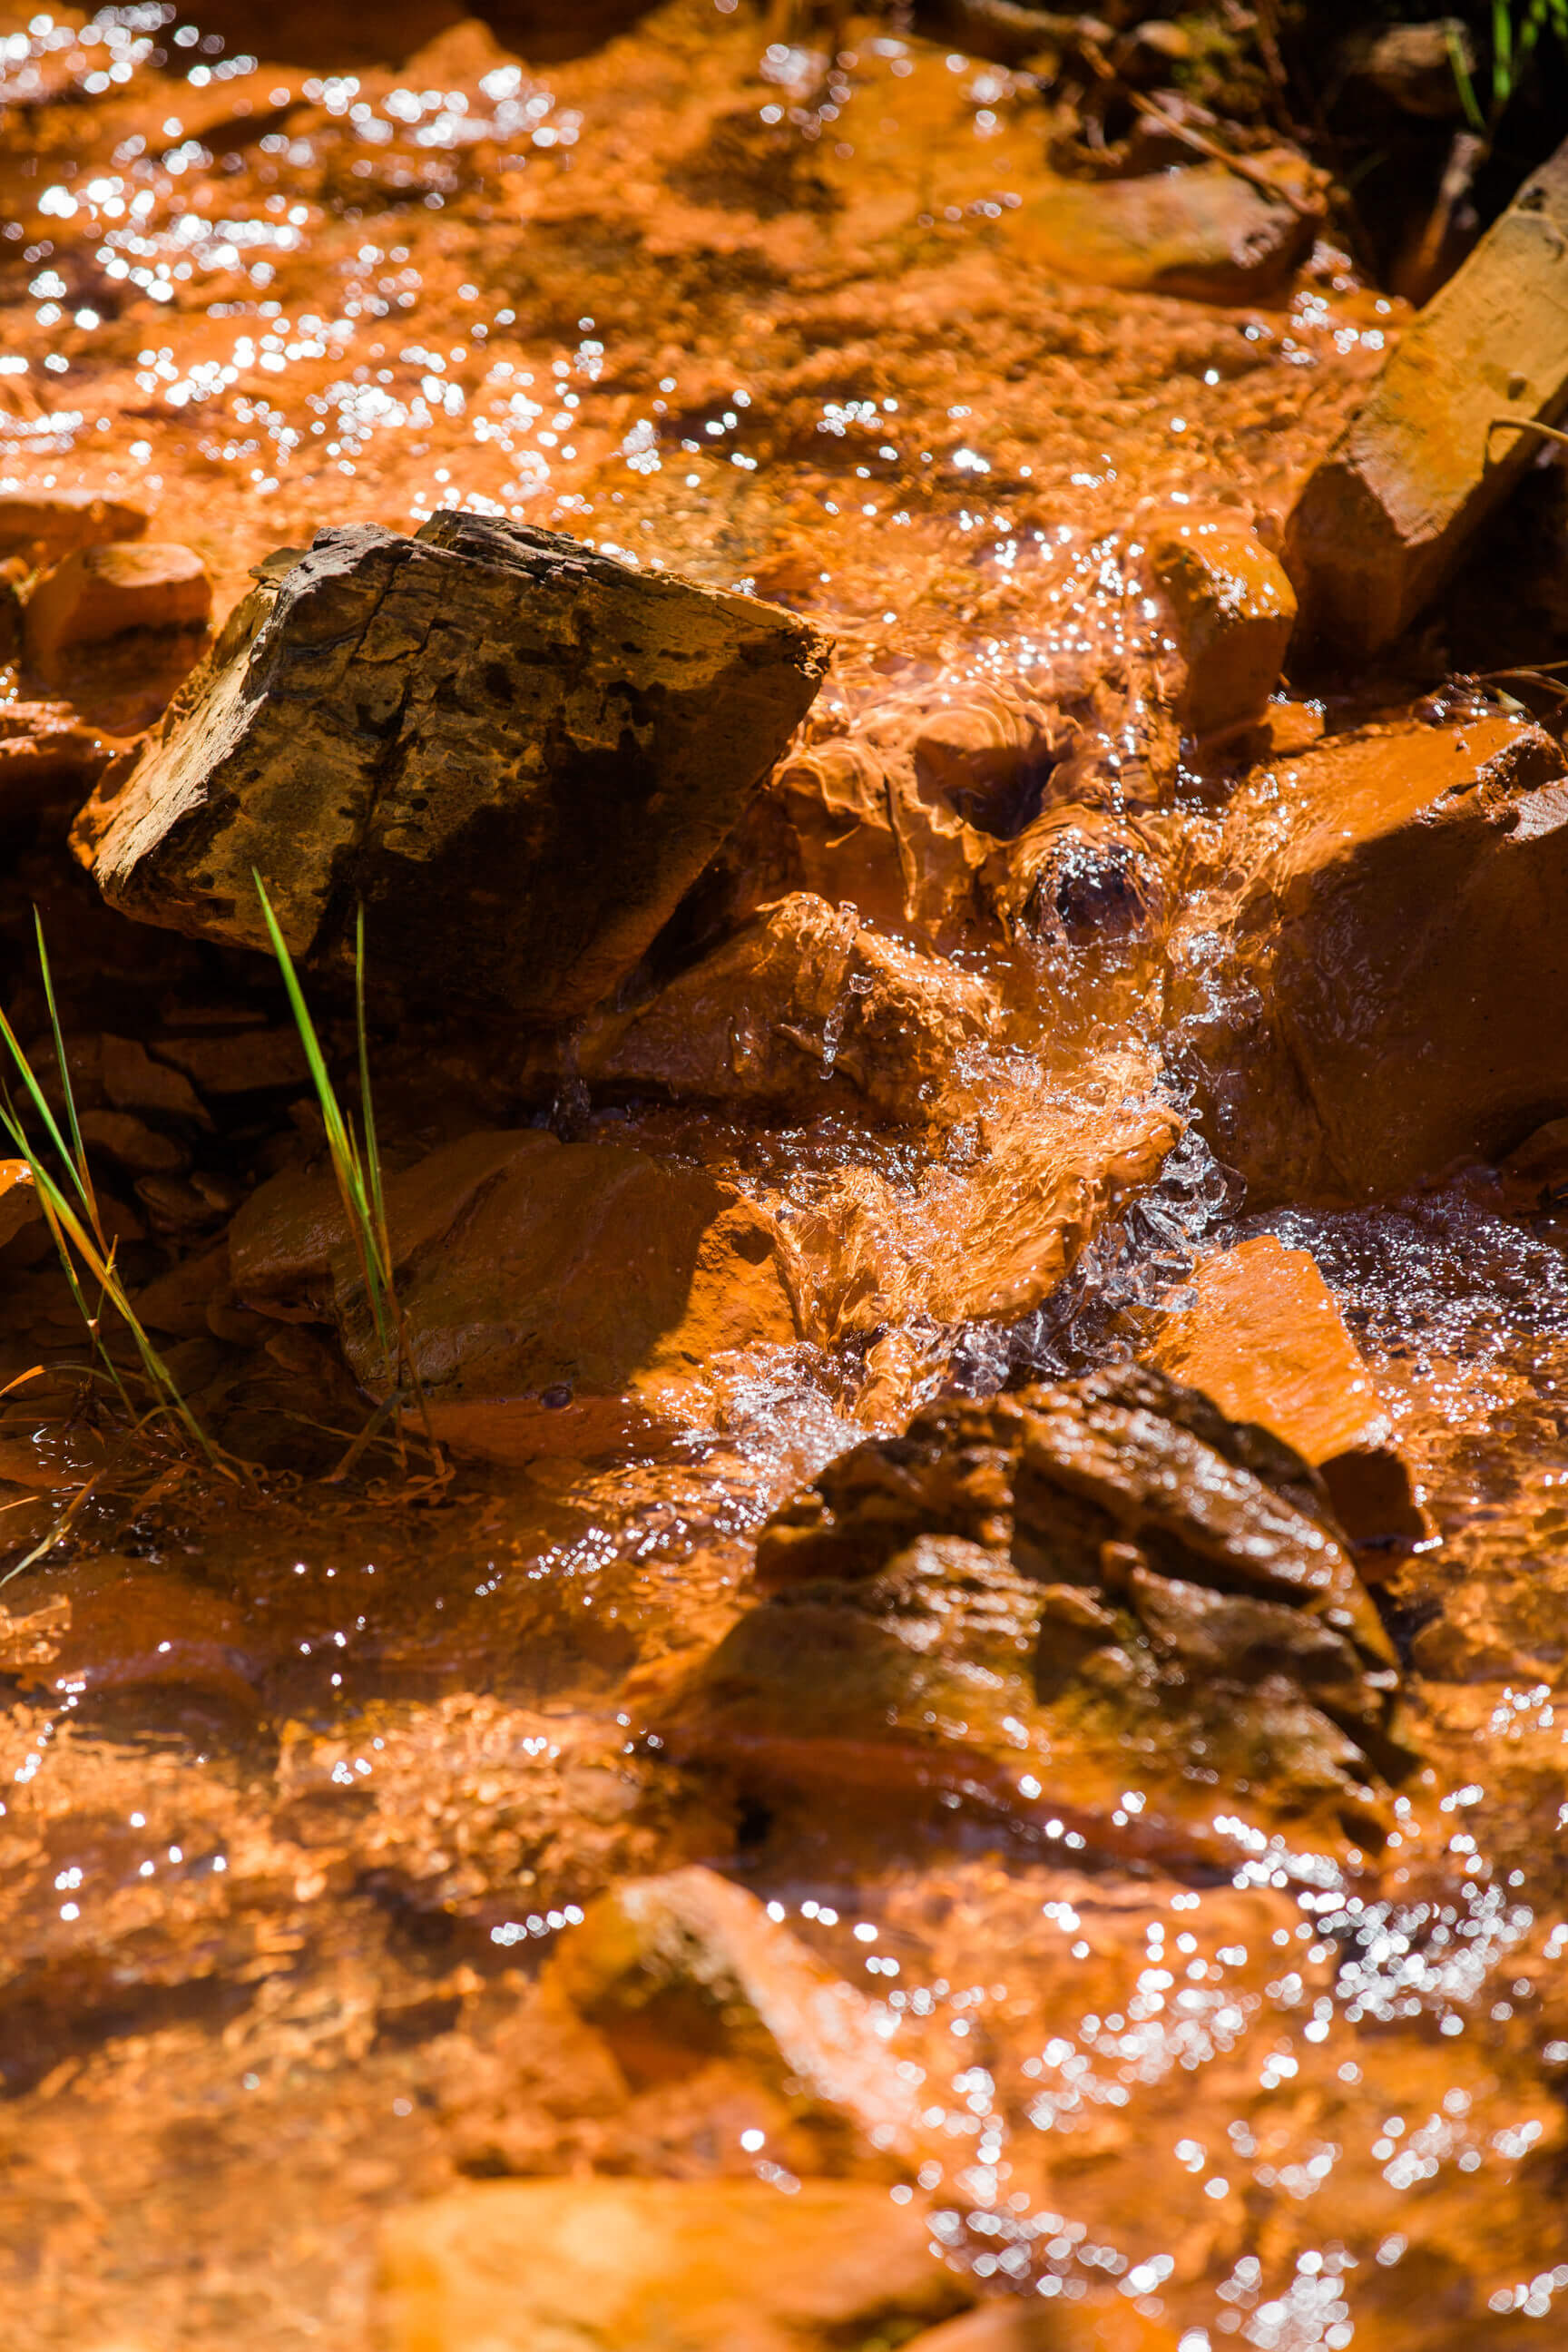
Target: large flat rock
[1379,990]
[1385,515]
[557,1296]
[1260,1333]
[597,2265]
[516,752]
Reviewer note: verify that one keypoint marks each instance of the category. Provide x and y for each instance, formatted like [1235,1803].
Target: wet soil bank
[1204,1967]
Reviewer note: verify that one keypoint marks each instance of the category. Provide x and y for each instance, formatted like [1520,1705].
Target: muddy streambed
[1185,2008]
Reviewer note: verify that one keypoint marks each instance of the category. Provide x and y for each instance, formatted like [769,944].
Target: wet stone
[1233,609]
[1382,521]
[998,1601]
[803,997]
[117,629]
[547,2266]
[43,526]
[1383,992]
[675,1969]
[1201,230]
[48,752]
[556,1295]
[519,752]
[1257,1329]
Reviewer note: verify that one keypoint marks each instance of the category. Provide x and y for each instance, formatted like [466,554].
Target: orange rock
[138,1147]
[1265,1338]
[132,1627]
[1200,230]
[133,1081]
[802,999]
[1536,1170]
[1382,992]
[658,2267]
[45,746]
[670,1970]
[18,1199]
[1234,610]
[1382,520]
[47,525]
[557,1296]
[100,592]
[242,1061]
[901,819]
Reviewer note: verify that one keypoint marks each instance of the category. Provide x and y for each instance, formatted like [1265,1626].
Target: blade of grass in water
[356,1166]
[77,1232]
[343,1145]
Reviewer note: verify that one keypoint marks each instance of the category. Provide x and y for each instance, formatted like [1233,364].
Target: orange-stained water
[311,1790]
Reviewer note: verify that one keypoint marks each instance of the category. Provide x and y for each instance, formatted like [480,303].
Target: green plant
[1516,27]
[70,1206]
[355,1157]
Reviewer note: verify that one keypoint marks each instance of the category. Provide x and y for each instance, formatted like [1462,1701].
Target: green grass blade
[40,1100]
[1461,73]
[1502,54]
[84,1179]
[341,1146]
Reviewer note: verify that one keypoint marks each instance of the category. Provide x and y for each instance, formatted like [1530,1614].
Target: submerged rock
[675,1969]
[683,2265]
[1259,1331]
[557,1296]
[516,752]
[1384,519]
[1039,1603]
[1383,992]
[1201,231]
[801,996]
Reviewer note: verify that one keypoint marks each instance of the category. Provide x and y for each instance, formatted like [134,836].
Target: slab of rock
[689,1964]
[118,629]
[101,591]
[1383,994]
[600,2265]
[802,996]
[1261,1333]
[558,1296]
[1233,608]
[48,752]
[1200,231]
[519,753]
[1013,1600]
[41,526]
[1387,513]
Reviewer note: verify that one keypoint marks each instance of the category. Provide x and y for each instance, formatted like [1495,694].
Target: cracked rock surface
[516,751]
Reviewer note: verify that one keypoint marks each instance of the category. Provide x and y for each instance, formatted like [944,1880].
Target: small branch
[1522,425]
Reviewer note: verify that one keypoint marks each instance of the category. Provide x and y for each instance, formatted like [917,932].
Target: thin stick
[1522,425]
